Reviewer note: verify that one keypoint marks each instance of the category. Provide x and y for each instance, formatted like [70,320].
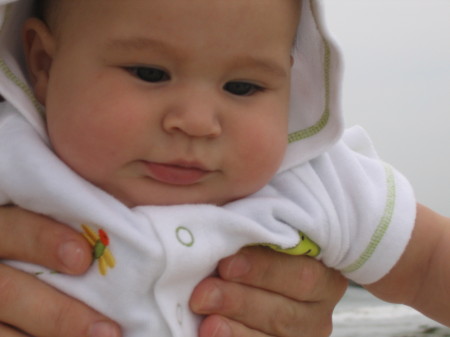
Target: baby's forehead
[50,10]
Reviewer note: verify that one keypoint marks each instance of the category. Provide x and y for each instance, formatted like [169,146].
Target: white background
[397,85]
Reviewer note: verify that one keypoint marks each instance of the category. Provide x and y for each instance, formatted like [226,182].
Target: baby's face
[169,102]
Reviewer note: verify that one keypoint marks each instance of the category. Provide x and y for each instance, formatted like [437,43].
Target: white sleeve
[375,208]
[359,210]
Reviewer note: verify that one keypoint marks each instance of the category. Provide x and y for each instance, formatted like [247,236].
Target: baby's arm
[421,278]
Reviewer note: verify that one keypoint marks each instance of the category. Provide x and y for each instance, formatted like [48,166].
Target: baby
[173,133]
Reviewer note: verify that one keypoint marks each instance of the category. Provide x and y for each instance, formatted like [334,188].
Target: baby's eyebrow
[262,64]
[140,44]
[266,65]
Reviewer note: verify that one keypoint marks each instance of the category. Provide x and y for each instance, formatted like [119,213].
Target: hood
[315,120]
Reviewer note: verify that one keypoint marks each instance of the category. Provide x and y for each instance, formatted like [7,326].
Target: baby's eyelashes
[239,88]
[156,75]
[149,74]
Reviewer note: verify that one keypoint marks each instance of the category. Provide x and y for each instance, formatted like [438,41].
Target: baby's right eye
[149,74]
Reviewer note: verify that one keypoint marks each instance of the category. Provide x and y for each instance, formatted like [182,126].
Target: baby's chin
[136,201]
[147,192]
[171,199]
[171,202]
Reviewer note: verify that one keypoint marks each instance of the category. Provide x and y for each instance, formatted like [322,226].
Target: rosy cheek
[259,161]
[80,149]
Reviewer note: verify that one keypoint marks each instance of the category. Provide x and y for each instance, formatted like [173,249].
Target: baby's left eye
[242,88]
[149,74]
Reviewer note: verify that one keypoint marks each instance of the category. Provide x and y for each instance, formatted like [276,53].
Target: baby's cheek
[259,163]
[82,152]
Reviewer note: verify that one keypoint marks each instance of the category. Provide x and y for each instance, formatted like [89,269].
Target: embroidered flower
[99,243]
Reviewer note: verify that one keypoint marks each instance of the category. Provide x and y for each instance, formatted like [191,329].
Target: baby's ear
[39,47]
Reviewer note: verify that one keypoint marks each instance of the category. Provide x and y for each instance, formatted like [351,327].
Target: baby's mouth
[178,173]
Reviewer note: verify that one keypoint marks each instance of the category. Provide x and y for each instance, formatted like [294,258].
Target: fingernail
[222,330]
[103,329]
[71,255]
[238,267]
[212,300]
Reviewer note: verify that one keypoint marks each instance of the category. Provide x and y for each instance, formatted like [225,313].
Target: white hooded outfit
[331,186]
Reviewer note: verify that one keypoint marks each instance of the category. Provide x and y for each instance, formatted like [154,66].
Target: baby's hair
[43,8]
[46,10]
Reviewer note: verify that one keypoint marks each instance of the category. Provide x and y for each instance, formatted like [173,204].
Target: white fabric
[341,200]
[315,120]
[359,210]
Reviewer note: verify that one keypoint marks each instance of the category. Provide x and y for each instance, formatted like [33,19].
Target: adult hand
[253,298]
[29,305]
[264,293]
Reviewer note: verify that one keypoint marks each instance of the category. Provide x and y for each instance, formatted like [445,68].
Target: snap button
[179,314]
[185,236]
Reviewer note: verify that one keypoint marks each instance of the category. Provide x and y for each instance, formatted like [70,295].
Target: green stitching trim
[312,130]
[323,121]
[382,227]
[4,68]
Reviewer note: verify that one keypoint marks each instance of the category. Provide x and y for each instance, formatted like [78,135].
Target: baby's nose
[195,117]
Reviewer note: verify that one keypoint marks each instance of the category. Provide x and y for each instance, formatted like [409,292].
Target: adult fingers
[35,238]
[7,331]
[270,293]
[259,311]
[219,326]
[297,277]
[36,308]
